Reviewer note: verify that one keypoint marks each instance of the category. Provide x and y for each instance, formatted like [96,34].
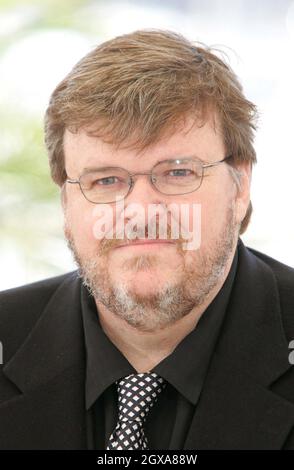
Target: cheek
[214,208]
[80,222]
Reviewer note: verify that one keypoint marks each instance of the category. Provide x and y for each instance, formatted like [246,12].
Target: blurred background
[40,41]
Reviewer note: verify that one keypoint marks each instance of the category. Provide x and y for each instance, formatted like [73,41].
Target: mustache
[107,244]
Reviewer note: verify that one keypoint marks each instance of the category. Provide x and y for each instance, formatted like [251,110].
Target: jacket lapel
[237,408]
[46,409]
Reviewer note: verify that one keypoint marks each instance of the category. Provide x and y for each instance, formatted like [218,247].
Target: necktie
[137,393]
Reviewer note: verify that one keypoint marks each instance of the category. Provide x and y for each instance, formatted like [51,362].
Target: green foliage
[30,214]
[25,168]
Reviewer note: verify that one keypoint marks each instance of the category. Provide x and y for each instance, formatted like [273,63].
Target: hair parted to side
[137,87]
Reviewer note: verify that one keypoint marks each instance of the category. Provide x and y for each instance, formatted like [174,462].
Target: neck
[144,350]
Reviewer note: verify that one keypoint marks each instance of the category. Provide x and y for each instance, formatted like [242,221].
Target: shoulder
[21,307]
[280,268]
[284,276]
[35,292]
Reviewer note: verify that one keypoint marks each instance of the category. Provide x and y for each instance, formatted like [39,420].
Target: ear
[243,191]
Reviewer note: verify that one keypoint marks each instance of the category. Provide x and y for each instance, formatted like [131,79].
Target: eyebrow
[105,167]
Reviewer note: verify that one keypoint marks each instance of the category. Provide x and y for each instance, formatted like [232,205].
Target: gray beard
[175,299]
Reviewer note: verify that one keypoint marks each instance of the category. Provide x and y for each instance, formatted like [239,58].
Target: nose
[144,202]
[145,208]
[142,190]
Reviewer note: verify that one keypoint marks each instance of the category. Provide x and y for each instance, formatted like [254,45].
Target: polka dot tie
[137,393]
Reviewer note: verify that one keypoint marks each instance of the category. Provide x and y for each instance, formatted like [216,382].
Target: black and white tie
[137,393]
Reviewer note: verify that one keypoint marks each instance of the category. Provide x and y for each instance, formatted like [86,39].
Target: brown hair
[137,86]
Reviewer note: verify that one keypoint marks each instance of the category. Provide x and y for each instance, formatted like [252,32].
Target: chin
[142,282]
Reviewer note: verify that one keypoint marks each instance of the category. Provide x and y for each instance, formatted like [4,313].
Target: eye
[180,172]
[107,181]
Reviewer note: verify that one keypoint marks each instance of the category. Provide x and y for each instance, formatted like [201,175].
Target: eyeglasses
[169,177]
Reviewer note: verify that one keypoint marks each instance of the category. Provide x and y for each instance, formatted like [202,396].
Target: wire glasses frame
[152,178]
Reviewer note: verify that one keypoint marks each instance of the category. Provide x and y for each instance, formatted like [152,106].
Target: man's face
[153,285]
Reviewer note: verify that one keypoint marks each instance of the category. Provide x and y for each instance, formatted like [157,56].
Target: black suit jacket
[248,396]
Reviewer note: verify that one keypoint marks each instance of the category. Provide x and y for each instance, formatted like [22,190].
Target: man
[153,343]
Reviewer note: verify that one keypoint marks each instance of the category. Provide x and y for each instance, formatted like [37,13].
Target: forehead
[191,138]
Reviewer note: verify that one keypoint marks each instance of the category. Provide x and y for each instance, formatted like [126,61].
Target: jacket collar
[253,338]
[47,409]
[251,354]
[55,343]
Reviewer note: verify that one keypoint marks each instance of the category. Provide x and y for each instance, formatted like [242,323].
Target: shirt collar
[105,363]
[185,368]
